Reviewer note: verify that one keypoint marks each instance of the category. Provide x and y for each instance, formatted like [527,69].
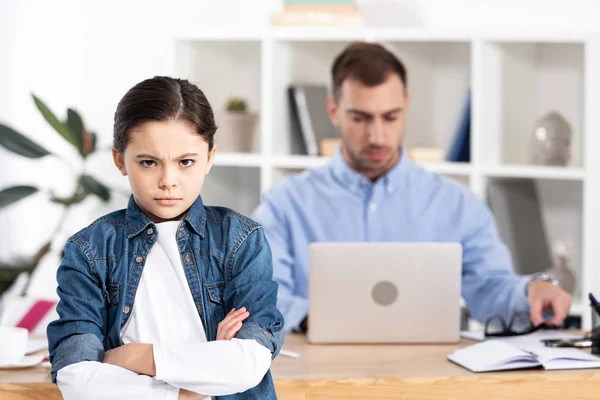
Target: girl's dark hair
[163,99]
[369,63]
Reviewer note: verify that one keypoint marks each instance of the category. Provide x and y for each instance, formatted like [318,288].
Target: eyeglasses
[519,324]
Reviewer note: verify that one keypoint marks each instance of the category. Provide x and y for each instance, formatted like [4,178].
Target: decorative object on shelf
[73,131]
[342,13]
[328,147]
[562,268]
[551,142]
[237,127]
[425,154]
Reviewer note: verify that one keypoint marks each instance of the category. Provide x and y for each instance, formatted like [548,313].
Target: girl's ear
[211,158]
[119,162]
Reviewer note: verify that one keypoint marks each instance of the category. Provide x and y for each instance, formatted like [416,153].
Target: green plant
[72,130]
[236,104]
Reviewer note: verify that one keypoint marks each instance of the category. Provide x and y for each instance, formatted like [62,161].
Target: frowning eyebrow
[181,157]
[369,115]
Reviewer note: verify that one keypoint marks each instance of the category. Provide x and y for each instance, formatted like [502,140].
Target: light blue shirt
[408,204]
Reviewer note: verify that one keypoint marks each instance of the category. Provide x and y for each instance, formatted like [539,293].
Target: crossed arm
[139,357]
[137,368]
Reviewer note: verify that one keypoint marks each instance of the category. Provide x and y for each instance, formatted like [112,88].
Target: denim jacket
[227,262]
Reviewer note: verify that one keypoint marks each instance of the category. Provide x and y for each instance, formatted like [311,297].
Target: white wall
[86,54]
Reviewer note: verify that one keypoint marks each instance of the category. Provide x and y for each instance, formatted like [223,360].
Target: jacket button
[138,259]
[150,231]
[187,257]
[126,310]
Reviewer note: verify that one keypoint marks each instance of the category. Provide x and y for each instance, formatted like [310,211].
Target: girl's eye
[186,163]
[148,163]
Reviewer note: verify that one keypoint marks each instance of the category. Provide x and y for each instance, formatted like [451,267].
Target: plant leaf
[92,186]
[15,193]
[75,124]
[76,198]
[58,126]
[20,144]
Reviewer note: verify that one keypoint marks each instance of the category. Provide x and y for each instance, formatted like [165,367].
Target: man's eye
[186,163]
[148,163]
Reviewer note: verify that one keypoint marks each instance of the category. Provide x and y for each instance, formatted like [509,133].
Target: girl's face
[166,163]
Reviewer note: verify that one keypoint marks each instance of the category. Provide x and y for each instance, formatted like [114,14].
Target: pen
[594,303]
[288,353]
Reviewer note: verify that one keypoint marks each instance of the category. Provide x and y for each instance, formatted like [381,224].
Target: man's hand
[136,357]
[231,324]
[544,296]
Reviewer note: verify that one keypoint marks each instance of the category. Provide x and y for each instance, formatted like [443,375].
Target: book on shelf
[309,118]
[341,13]
[460,148]
[516,206]
[425,154]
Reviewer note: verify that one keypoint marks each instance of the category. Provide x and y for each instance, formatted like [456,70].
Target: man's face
[371,124]
[166,163]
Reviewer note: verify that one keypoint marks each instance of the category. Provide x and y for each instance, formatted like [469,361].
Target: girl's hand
[231,324]
[187,395]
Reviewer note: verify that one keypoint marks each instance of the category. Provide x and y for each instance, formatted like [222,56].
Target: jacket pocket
[215,292]
[111,294]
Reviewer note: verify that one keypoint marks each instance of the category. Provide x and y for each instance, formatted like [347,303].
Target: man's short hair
[368,63]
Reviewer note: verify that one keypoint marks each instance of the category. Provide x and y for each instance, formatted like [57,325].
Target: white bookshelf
[514,76]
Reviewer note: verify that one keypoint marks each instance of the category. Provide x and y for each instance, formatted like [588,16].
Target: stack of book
[342,13]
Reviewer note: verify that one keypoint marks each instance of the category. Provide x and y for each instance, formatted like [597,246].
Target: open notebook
[500,355]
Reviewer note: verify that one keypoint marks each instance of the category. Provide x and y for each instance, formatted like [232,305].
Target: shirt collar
[394,179]
[137,221]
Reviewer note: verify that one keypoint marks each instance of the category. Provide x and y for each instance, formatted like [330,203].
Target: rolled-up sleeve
[489,286]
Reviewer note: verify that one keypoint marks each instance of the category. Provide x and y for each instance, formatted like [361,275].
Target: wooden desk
[326,372]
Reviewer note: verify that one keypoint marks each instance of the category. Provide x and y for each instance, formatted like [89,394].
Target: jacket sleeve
[78,334]
[251,285]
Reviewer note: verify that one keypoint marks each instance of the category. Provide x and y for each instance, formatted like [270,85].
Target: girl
[167,299]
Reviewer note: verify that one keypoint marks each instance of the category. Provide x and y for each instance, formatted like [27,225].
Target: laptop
[384,292]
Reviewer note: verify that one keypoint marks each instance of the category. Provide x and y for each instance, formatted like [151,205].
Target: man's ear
[332,110]
[211,158]
[119,162]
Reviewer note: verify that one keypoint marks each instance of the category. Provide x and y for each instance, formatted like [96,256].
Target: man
[372,191]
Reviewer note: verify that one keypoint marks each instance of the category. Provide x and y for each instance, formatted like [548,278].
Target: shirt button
[187,257]
[390,188]
[150,231]
[373,207]
[126,310]
[138,259]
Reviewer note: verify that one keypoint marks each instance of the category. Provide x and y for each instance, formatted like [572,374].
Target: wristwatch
[541,276]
